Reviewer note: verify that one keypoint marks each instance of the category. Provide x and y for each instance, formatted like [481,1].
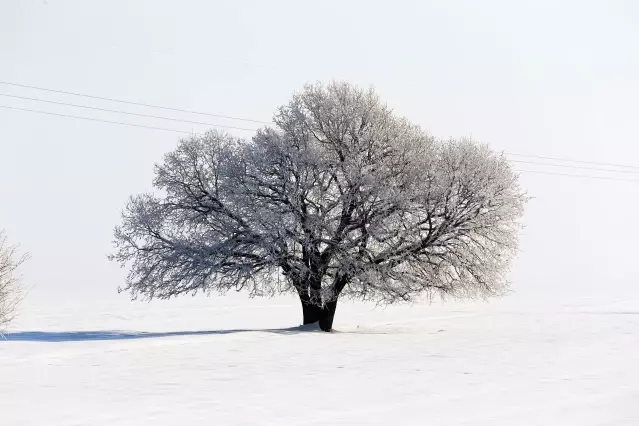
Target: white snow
[236,361]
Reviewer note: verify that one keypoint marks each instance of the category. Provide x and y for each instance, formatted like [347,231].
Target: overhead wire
[571,160]
[94,119]
[577,176]
[633,169]
[574,167]
[124,112]
[8,83]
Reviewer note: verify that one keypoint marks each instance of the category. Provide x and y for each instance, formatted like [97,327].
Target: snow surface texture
[237,361]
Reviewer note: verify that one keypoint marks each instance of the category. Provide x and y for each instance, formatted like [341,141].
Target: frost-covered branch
[10,290]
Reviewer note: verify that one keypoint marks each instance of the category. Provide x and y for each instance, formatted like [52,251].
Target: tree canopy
[340,198]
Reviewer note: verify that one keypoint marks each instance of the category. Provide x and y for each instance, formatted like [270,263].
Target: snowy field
[236,361]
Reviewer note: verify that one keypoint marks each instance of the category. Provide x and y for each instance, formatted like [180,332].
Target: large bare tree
[340,198]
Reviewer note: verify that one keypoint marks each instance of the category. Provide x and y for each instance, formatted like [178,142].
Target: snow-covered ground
[236,361]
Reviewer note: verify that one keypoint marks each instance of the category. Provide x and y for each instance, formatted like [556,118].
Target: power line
[131,103]
[255,121]
[186,132]
[95,119]
[578,176]
[572,161]
[123,112]
[574,167]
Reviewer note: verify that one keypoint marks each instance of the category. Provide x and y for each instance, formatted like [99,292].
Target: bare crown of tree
[341,198]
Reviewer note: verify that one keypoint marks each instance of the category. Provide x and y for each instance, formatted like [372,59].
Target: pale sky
[548,78]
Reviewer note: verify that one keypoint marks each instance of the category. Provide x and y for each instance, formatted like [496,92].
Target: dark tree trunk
[310,311]
[313,313]
[328,313]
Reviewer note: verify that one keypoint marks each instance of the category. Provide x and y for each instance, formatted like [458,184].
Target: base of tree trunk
[312,313]
[317,314]
[328,313]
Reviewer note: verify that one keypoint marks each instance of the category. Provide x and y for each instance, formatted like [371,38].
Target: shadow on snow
[73,336]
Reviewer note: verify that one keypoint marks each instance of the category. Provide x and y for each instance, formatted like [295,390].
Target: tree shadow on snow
[79,336]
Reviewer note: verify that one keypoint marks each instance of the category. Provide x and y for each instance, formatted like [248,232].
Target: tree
[10,261]
[341,198]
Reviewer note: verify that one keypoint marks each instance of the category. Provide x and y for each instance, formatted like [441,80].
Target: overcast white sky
[550,78]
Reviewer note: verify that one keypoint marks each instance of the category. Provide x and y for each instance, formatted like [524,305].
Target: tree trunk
[313,313]
[328,313]
[310,311]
